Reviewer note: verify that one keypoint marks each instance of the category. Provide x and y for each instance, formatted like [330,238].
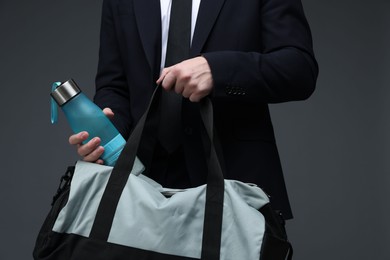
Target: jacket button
[228,90]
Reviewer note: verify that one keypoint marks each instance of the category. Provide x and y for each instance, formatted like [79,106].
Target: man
[244,55]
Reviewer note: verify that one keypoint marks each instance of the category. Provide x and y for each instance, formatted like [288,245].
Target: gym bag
[103,213]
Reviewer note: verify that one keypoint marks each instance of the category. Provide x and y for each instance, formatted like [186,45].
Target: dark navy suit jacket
[259,52]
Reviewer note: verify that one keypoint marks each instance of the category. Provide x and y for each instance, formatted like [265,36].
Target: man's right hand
[92,150]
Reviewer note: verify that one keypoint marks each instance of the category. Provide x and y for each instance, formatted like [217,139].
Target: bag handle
[215,181]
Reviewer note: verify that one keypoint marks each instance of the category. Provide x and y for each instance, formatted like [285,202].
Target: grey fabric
[146,219]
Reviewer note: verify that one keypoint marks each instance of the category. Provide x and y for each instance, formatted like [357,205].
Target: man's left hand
[191,78]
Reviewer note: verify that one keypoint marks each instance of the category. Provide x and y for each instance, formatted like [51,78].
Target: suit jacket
[259,52]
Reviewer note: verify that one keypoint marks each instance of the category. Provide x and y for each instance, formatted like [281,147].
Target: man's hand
[92,150]
[191,78]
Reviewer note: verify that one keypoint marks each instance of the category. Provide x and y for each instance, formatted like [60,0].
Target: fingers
[191,78]
[108,112]
[196,98]
[174,78]
[78,138]
[163,74]
[85,150]
[91,151]
[173,81]
[168,78]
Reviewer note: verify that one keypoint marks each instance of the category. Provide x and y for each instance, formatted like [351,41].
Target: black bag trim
[64,183]
[59,201]
[275,244]
[74,247]
[274,248]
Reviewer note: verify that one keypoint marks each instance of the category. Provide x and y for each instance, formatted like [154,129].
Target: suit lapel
[148,16]
[207,15]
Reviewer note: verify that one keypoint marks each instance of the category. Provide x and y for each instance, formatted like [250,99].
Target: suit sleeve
[284,70]
[111,85]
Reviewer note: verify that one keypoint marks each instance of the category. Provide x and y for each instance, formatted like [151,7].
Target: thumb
[108,112]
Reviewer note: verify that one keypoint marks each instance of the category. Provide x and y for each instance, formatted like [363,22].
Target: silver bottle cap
[65,92]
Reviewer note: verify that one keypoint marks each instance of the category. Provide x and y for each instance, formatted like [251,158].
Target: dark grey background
[334,146]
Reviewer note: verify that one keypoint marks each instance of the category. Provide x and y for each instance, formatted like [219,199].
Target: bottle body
[84,115]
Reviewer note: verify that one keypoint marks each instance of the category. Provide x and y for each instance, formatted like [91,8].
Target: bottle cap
[65,92]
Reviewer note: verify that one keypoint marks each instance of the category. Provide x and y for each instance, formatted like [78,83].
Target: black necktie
[178,48]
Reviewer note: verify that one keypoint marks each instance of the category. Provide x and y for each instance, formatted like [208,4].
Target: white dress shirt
[165,15]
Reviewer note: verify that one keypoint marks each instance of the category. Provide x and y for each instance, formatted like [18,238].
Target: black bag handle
[212,228]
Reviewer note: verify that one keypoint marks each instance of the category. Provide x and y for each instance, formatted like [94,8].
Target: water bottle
[84,115]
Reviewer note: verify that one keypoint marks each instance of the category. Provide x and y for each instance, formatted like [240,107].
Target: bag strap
[119,176]
[212,226]
[215,182]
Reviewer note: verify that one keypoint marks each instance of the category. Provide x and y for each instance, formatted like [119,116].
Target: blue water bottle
[84,115]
